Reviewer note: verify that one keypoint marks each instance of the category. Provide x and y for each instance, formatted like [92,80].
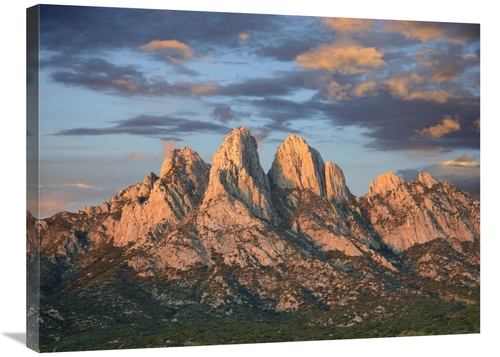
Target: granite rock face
[295,236]
[336,188]
[238,180]
[297,165]
[416,212]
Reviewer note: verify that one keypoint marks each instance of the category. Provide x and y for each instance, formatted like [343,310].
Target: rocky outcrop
[237,181]
[296,236]
[336,188]
[409,213]
[159,203]
[298,166]
[153,207]
[388,182]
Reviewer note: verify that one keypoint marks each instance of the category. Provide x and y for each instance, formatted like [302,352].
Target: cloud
[281,84]
[285,51]
[447,126]
[422,31]
[178,53]
[435,31]
[348,25]
[50,206]
[168,146]
[127,84]
[407,88]
[463,161]
[335,87]
[338,91]
[342,58]
[162,127]
[57,197]
[97,30]
[447,64]
[224,114]
[100,75]
[166,45]
[365,88]
[243,36]
[139,156]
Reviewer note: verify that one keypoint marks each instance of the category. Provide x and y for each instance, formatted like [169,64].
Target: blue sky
[119,88]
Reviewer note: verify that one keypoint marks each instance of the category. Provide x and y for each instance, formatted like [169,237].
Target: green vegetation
[127,314]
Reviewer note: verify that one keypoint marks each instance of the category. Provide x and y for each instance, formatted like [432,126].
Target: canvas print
[203,178]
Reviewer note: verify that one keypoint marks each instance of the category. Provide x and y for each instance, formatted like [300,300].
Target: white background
[13,175]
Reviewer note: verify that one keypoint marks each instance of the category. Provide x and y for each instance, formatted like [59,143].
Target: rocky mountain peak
[385,183]
[201,239]
[297,165]
[236,175]
[238,149]
[336,188]
[426,179]
[184,160]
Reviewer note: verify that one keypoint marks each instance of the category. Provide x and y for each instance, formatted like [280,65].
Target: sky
[119,88]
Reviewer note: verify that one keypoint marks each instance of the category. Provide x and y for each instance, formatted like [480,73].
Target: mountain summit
[236,177]
[230,244]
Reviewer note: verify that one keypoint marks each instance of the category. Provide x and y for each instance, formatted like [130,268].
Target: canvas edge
[32,176]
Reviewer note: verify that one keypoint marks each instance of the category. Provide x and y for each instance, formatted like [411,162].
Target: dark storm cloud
[150,126]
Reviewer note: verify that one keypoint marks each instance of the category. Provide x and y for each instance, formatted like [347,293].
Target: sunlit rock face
[297,165]
[336,188]
[288,236]
[416,212]
[237,178]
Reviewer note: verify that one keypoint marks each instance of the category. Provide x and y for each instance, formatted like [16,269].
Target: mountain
[227,248]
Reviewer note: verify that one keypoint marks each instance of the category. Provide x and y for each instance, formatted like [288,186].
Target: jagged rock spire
[336,188]
[236,174]
[297,165]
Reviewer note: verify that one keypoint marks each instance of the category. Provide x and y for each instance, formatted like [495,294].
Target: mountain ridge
[294,239]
